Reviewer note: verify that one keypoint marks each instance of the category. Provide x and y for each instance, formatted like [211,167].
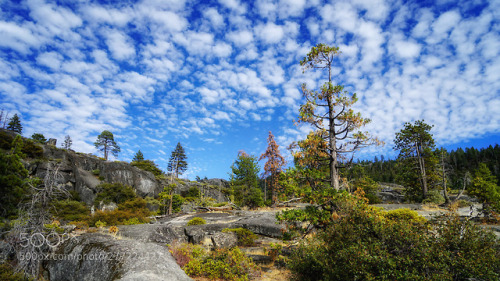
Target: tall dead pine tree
[273,166]
[329,112]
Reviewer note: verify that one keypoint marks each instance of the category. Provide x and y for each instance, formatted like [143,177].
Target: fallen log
[285,203]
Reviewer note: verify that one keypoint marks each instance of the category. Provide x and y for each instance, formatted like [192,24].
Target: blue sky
[217,76]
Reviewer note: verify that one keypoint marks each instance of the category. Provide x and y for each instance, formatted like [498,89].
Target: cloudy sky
[217,76]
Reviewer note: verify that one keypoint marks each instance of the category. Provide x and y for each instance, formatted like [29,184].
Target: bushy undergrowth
[362,243]
[7,273]
[196,221]
[433,197]
[404,215]
[119,216]
[221,264]
[70,210]
[114,192]
[246,237]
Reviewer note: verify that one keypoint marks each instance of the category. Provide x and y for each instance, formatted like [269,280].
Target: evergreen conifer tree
[177,164]
[15,124]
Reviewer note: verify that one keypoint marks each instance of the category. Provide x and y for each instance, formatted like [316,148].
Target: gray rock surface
[84,172]
[224,240]
[101,257]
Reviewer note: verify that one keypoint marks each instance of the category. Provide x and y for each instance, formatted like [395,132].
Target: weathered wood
[281,204]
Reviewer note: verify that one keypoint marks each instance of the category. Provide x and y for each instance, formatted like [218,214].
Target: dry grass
[275,275]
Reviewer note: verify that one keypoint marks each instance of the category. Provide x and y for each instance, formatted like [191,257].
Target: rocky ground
[140,252]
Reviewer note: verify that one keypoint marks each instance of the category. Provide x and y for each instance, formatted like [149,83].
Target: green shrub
[70,210]
[404,215]
[132,221]
[196,221]
[177,202]
[8,273]
[80,225]
[246,237]
[74,195]
[32,150]
[274,251]
[147,165]
[39,138]
[221,204]
[5,140]
[96,172]
[433,197]
[116,217]
[217,265]
[55,227]
[192,192]
[362,243]
[100,224]
[114,192]
[370,187]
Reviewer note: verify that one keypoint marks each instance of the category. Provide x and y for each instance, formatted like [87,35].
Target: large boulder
[224,240]
[84,172]
[94,256]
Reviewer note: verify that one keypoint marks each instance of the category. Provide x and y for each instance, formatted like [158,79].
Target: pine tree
[40,138]
[67,142]
[15,124]
[332,105]
[13,176]
[138,157]
[177,164]
[106,143]
[415,143]
[484,186]
[245,181]
[273,166]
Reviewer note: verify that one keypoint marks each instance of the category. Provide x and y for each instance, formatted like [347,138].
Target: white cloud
[234,5]
[16,37]
[97,14]
[168,69]
[50,59]
[445,22]
[167,20]
[211,96]
[221,115]
[406,49]
[222,50]
[240,38]
[119,44]
[292,8]
[216,19]
[270,33]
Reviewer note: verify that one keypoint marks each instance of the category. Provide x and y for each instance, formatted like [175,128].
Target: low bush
[363,243]
[5,140]
[80,225]
[8,273]
[434,197]
[404,215]
[246,237]
[221,264]
[196,221]
[32,150]
[132,221]
[147,165]
[100,224]
[70,210]
[114,192]
[192,192]
[116,217]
